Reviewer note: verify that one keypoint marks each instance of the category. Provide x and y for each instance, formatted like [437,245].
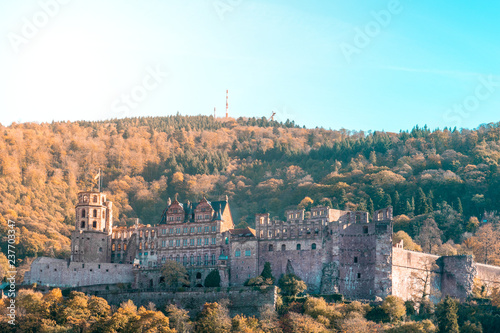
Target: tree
[291,285]
[179,319]
[485,245]
[408,243]
[472,224]
[446,313]
[267,272]
[394,307]
[429,235]
[213,279]
[306,203]
[370,207]
[421,204]
[213,318]
[174,273]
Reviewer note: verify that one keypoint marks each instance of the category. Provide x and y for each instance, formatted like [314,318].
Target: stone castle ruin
[333,251]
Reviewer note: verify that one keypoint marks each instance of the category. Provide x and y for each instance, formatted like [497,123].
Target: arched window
[95,198]
[119,247]
[313,246]
[270,247]
[283,247]
[237,253]
[298,246]
[113,247]
[94,224]
[83,212]
[124,247]
[198,275]
[185,260]
[198,260]
[82,225]
[192,260]
[140,246]
[95,212]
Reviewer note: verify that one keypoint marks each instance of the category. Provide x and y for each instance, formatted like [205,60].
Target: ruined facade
[333,251]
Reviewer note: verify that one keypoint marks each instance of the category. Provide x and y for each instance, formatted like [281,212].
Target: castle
[333,251]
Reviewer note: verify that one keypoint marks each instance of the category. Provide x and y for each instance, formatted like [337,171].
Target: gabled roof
[190,207]
[245,232]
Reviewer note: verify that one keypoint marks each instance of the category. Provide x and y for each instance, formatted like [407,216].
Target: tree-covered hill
[448,175]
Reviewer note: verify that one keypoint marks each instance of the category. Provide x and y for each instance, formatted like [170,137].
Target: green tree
[291,285]
[267,272]
[213,279]
[421,204]
[446,314]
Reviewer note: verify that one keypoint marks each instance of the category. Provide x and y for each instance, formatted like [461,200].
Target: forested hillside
[435,179]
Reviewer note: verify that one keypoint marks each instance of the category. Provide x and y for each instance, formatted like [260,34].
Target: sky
[359,65]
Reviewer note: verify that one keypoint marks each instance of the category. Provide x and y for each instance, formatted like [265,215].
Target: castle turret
[91,240]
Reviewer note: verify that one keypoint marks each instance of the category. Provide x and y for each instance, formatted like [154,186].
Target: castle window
[83,213]
[269,233]
[178,230]
[95,212]
[178,218]
[178,259]
[171,242]
[85,198]
[163,243]
[163,231]
[191,242]
[83,265]
[207,229]
[146,246]
[359,275]
[163,259]
[248,253]
[214,241]
[94,224]
[100,249]
[113,247]
[171,231]
[355,260]
[186,230]
[200,229]
[206,259]
[313,246]
[184,242]
[298,247]
[177,242]
[262,220]
[198,275]
[207,217]
[192,260]
[193,229]
[185,260]
[270,247]
[82,225]
[124,247]
[316,231]
[99,266]
[140,246]
[198,262]
[95,198]
[119,247]
[213,259]
[283,247]
[214,228]
[237,253]
[358,218]
[365,230]
[199,242]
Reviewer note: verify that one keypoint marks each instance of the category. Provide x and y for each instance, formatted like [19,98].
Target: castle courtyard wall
[58,273]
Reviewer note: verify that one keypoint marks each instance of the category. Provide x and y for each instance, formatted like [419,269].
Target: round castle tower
[91,240]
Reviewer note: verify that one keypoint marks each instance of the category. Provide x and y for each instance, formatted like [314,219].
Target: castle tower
[91,240]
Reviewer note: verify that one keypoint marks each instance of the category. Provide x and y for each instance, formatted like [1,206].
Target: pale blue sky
[421,58]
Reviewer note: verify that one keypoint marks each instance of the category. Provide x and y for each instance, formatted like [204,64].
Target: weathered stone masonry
[333,251]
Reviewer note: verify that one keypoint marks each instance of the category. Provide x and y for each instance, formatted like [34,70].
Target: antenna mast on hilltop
[227,103]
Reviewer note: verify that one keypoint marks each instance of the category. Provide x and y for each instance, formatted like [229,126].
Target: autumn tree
[394,307]
[214,317]
[291,285]
[485,245]
[429,235]
[174,273]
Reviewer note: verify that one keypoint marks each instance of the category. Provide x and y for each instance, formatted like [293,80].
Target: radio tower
[227,103]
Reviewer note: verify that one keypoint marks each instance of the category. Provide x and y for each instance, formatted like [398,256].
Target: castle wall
[488,275]
[412,272]
[245,301]
[58,273]
[151,277]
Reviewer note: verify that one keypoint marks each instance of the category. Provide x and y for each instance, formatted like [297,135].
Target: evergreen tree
[395,202]
[267,272]
[386,202]
[459,209]
[430,200]
[446,313]
[421,204]
[213,279]
[371,208]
